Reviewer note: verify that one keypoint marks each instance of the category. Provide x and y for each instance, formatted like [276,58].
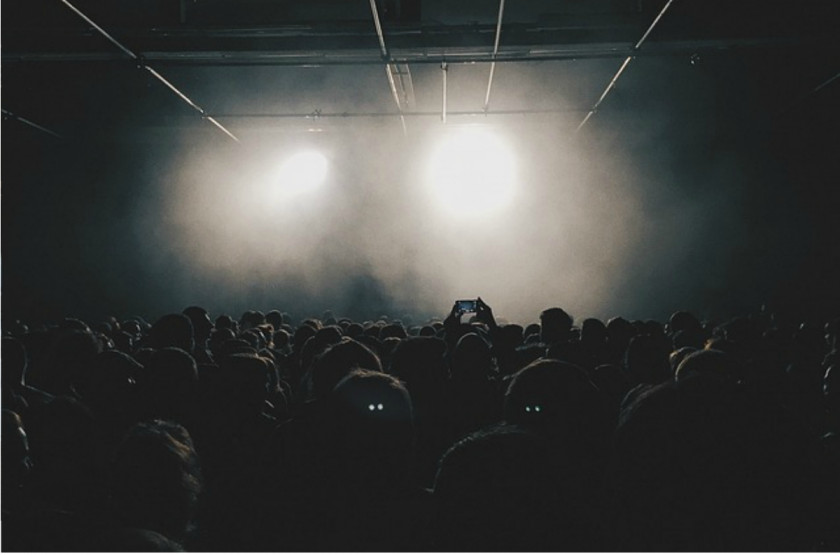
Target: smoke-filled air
[362,218]
[635,216]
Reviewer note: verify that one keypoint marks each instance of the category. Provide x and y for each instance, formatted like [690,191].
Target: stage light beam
[305,170]
[472,173]
[302,172]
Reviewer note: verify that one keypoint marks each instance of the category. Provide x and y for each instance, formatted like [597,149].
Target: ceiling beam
[495,53]
[624,65]
[139,60]
[389,70]
[12,116]
[427,55]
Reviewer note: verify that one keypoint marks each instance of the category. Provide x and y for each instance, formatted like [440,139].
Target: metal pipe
[825,84]
[425,113]
[402,122]
[445,70]
[154,73]
[396,95]
[174,89]
[495,53]
[102,31]
[393,84]
[558,53]
[406,85]
[220,126]
[813,91]
[605,93]
[378,26]
[652,25]
[386,57]
[613,81]
[30,123]
[499,26]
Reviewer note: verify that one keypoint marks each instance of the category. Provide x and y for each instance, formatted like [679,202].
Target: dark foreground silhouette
[254,434]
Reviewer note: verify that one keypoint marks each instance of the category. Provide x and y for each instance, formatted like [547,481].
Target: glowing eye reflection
[371,407]
[535,408]
[379,406]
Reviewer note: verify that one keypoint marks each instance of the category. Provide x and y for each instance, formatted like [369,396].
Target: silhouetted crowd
[202,434]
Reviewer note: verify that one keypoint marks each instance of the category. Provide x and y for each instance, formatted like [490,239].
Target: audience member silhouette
[555,326]
[337,361]
[64,448]
[72,350]
[500,489]
[558,401]
[202,328]
[593,341]
[374,504]
[474,398]
[170,387]
[420,363]
[645,361]
[17,394]
[330,434]
[111,392]
[155,480]
[619,334]
[172,330]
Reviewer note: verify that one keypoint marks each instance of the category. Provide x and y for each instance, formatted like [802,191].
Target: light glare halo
[472,173]
[302,172]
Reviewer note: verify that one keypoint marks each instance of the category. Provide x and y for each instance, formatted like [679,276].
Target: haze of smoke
[594,227]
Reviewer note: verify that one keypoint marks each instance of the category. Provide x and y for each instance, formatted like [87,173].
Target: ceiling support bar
[388,63]
[102,31]
[614,80]
[436,56]
[809,93]
[151,71]
[444,70]
[410,114]
[495,52]
[30,123]
[825,83]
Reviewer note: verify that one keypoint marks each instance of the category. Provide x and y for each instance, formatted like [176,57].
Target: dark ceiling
[272,63]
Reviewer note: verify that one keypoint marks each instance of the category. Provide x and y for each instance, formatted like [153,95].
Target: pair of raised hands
[483,313]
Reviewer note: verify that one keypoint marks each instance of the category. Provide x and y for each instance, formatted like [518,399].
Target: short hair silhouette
[156,479]
[555,325]
[497,490]
[337,362]
[707,363]
[373,413]
[171,386]
[173,330]
[645,361]
[200,319]
[558,399]
[471,358]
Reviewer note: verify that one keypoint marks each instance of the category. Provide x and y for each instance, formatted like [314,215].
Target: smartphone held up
[466,306]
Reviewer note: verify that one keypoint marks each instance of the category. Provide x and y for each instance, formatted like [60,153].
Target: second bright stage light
[472,172]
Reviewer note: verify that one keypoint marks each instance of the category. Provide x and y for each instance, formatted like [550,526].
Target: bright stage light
[472,172]
[302,172]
